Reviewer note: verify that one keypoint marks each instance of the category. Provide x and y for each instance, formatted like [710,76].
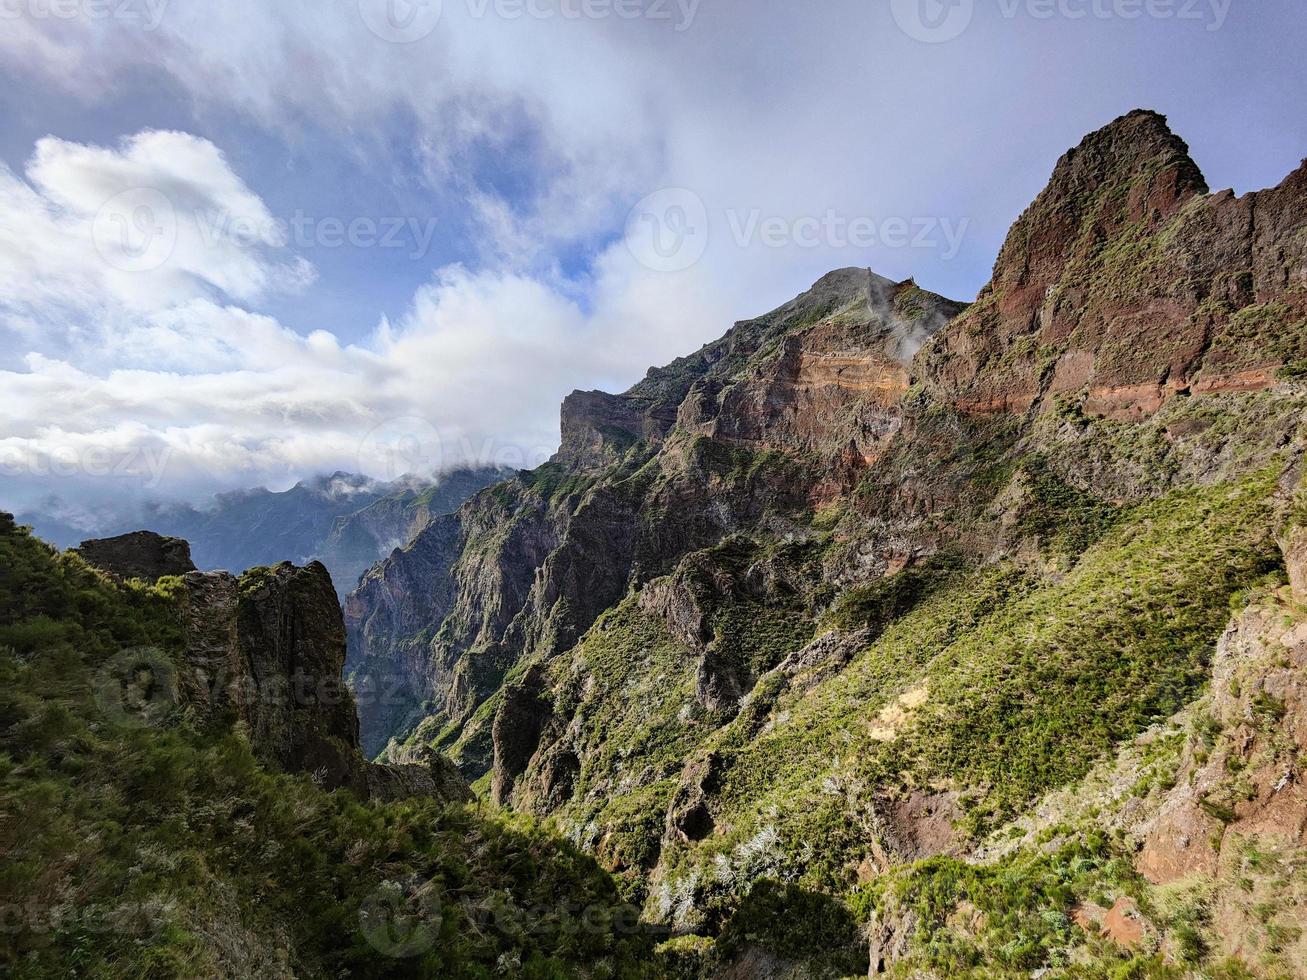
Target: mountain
[794,633]
[884,635]
[713,443]
[183,796]
[344,520]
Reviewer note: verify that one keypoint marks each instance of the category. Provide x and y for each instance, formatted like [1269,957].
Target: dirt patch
[894,715]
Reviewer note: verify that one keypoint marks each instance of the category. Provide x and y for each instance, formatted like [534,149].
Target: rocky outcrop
[264,653]
[438,778]
[689,817]
[141,554]
[1126,284]
[524,710]
[890,937]
[597,428]
[1259,702]
[831,387]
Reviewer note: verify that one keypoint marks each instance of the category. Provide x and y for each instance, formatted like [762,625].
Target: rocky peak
[851,335]
[265,652]
[1132,171]
[1138,144]
[141,554]
[598,427]
[1126,284]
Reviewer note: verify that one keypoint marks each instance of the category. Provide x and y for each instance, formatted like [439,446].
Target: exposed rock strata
[1126,284]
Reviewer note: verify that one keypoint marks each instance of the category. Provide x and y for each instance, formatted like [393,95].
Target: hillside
[863,581]
[167,756]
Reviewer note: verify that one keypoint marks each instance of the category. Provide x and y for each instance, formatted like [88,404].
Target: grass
[162,850]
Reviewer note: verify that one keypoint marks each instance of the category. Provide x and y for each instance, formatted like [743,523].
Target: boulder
[141,554]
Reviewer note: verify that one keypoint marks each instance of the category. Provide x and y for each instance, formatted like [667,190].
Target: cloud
[95,239]
[541,133]
[154,375]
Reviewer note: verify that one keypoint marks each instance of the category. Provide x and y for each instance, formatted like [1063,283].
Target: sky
[245,243]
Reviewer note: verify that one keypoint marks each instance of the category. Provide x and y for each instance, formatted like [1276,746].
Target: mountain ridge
[652,640]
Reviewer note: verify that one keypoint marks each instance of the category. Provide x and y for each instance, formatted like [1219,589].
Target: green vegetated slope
[158,850]
[999,682]
[965,691]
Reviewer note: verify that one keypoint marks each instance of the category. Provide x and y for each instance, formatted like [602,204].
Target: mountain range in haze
[345,520]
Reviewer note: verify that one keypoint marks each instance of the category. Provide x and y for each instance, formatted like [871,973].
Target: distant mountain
[345,520]
[359,540]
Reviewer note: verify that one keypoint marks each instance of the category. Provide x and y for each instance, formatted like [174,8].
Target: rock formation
[141,554]
[1126,284]
[265,652]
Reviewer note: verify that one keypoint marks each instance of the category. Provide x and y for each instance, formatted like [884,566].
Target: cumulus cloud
[150,223]
[155,375]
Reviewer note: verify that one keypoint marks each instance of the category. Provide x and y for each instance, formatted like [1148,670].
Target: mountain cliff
[858,584]
[883,635]
[754,430]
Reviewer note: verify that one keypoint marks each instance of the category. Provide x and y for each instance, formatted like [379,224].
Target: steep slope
[753,430]
[1182,855]
[801,609]
[147,832]
[358,540]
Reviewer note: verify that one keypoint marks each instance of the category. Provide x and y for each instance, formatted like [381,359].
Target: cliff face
[264,653]
[781,413]
[860,581]
[1126,283]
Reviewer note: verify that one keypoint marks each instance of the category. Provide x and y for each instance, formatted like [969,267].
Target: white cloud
[778,110]
[155,376]
[94,236]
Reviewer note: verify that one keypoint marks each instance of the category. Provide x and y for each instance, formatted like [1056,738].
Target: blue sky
[502,150]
